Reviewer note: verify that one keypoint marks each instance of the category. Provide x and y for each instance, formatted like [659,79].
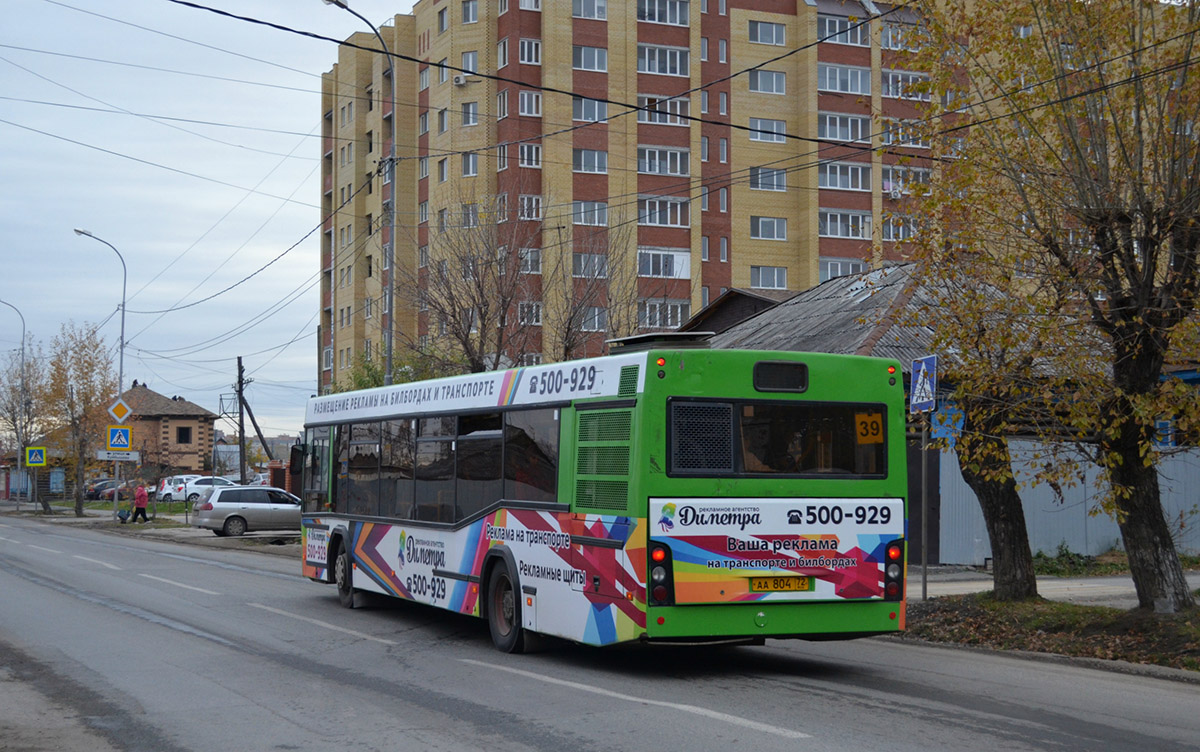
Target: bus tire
[504,611]
[343,575]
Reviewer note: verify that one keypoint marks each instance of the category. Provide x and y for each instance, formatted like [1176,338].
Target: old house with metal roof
[172,434]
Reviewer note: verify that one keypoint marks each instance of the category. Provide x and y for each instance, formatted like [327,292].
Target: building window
[590,58]
[443,70]
[768,82]
[704,297]
[830,268]
[501,157]
[530,5]
[597,9]
[502,53]
[589,265]
[768,179]
[470,164]
[529,207]
[663,314]
[327,358]
[443,219]
[835,127]
[841,30]
[530,51]
[723,100]
[663,61]
[843,224]
[183,434]
[704,248]
[470,215]
[900,36]
[762,32]
[724,149]
[703,49]
[898,228]
[470,61]
[844,79]
[904,85]
[723,199]
[901,180]
[529,103]
[662,211]
[704,148]
[423,123]
[724,252]
[595,319]
[594,213]
[529,155]
[662,111]
[443,171]
[588,110]
[502,105]
[674,12]
[907,133]
[470,11]
[529,314]
[530,260]
[443,20]
[772,131]
[530,359]
[846,177]
[470,113]
[722,50]
[423,212]
[443,120]
[768,228]
[423,79]
[667,264]
[590,160]
[655,160]
[703,101]
[769,277]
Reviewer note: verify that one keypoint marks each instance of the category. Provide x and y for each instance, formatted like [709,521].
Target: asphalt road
[128,642]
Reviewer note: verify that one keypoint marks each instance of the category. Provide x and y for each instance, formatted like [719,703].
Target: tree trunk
[994,486]
[1153,560]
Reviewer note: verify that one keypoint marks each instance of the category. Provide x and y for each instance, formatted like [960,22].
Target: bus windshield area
[777,438]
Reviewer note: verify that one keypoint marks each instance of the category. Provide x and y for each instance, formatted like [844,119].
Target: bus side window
[531,455]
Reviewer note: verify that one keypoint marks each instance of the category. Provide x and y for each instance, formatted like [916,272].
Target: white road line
[177,584]
[40,548]
[325,624]
[97,561]
[705,712]
[9,540]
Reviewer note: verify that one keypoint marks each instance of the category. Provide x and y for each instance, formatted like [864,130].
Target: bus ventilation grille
[603,460]
[604,426]
[701,437]
[628,384]
[602,494]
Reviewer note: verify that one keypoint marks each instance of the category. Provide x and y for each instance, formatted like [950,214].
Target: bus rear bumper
[842,620]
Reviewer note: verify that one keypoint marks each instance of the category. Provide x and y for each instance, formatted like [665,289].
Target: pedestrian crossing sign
[923,389]
[35,456]
[118,438]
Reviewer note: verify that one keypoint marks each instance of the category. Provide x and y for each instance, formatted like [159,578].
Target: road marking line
[705,712]
[325,624]
[97,561]
[177,584]
[40,548]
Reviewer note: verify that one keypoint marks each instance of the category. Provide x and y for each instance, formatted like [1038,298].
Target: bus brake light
[661,361]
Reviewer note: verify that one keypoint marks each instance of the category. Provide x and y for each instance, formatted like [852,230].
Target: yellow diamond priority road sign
[119,410]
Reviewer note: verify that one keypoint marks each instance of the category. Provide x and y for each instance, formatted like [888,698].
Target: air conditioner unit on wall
[896,194]
[460,80]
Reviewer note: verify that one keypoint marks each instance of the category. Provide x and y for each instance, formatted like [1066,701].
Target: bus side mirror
[296,459]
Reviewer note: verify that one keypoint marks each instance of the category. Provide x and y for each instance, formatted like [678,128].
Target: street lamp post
[24,398]
[389,252]
[120,350]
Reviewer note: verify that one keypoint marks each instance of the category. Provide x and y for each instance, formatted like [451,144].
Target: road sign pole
[924,506]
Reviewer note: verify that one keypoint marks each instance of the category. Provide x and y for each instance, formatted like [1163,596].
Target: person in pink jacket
[140,499]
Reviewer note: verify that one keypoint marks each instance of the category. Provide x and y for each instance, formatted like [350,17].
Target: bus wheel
[343,575]
[504,611]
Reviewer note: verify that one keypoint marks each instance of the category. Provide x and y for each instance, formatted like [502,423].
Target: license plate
[780,584]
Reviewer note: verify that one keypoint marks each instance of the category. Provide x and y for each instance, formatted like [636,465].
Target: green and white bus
[670,494]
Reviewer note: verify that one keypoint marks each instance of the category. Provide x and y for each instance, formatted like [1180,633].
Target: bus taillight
[661,585]
[893,573]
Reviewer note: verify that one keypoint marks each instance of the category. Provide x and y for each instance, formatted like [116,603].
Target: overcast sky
[190,142]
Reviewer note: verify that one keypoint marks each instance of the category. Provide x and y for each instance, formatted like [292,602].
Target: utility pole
[241,386]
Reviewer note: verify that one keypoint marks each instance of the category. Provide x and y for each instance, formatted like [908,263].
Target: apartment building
[684,148]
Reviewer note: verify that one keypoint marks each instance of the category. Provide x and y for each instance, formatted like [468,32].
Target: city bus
[663,493]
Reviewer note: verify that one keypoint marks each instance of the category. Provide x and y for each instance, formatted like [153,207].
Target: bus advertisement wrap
[815,549]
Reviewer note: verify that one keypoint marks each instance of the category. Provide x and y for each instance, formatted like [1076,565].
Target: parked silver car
[234,510]
[172,488]
[199,486]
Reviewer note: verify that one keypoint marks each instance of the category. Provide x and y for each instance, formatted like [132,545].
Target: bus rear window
[777,438]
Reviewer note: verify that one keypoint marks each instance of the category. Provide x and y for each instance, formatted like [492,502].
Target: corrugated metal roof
[863,314]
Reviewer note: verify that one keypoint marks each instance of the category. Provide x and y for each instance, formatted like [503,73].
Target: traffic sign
[119,410]
[118,438]
[35,456]
[119,456]
[923,391]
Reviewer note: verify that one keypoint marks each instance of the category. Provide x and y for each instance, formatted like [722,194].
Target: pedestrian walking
[140,499]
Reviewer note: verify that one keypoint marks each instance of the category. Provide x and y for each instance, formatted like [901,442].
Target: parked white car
[201,486]
[234,510]
[172,487]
